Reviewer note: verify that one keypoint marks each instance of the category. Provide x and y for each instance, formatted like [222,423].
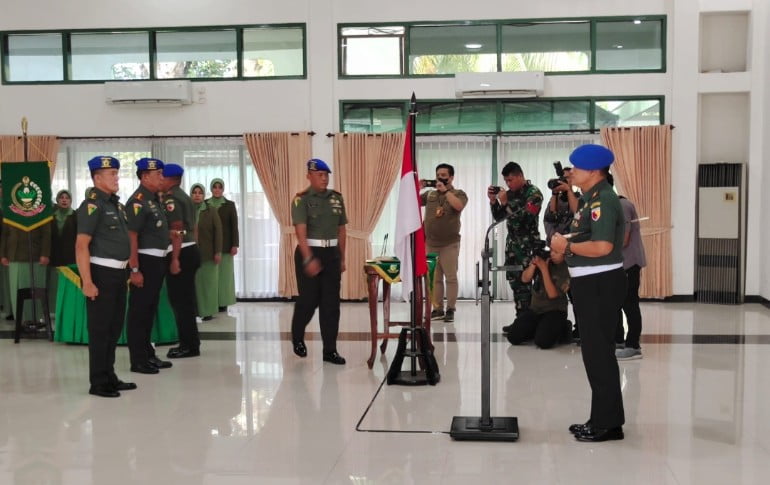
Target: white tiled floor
[248,411]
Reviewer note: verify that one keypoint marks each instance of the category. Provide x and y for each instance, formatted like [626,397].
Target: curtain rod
[331,135]
[311,133]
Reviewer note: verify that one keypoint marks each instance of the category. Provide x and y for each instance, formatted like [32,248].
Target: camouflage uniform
[524,207]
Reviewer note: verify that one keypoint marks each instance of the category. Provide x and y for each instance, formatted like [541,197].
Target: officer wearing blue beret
[102,249]
[594,250]
[319,219]
[184,260]
[148,231]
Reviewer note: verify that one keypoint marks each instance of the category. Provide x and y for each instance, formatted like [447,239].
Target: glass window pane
[629,45]
[521,116]
[637,112]
[35,57]
[359,118]
[271,52]
[549,47]
[447,49]
[372,50]
[465,117]
[196,54]
[107,56]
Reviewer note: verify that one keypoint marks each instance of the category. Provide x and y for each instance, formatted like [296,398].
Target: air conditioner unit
[499,84]
[148,93]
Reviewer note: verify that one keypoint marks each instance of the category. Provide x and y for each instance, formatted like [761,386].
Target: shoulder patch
[91,208]
[596,213]
[297,200]
[137,207]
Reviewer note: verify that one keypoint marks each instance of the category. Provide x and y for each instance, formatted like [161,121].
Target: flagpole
[414,302]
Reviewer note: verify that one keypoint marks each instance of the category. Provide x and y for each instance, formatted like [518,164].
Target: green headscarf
[200,206]
[217,201]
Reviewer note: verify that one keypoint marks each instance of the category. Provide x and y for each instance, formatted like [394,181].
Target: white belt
[322,243]
[159,253]
[578,271]
[184,245]
[110,263]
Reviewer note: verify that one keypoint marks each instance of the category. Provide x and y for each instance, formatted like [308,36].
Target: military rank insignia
[137,208]
[91,209]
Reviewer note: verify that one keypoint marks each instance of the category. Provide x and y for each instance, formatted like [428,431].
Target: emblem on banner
[27,198]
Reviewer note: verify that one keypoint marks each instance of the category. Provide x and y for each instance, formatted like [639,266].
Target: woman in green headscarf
[229,217]
[208,229]
[64,231]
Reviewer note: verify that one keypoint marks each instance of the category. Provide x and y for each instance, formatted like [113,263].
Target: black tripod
[486,428]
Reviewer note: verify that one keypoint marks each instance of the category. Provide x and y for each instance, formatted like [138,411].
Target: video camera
[432,183]
[561,179]
[540,249]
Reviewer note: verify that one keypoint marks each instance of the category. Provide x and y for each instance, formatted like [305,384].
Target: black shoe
[124,386]
[577,429]
[449,316]
[597,435]
[223,309]
[160,364]
[299,348]
[146,368]
[334,358]
[10,317]
[103,391]
[507,328]
[182,352]
[207,318]
[437,314]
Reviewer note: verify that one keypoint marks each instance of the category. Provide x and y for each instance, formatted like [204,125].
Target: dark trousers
[631,309]
[547,329]
[598,299]
[321,291]
[142,307]
[106,314]
[181,295]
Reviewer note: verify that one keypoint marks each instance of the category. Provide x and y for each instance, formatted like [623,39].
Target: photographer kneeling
[545,320]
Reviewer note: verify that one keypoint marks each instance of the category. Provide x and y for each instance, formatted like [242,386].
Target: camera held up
[540,249]
[561,179]
[432,183]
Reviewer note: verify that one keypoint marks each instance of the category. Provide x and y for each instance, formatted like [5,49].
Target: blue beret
[103,161]
[591,157]
[149,164]
[317,165]
[172,170]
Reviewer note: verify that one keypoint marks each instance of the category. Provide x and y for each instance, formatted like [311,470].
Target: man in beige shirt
[443,206]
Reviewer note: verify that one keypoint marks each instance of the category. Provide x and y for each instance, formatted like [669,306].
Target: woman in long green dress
[229,217]
[64,231]
[209,237]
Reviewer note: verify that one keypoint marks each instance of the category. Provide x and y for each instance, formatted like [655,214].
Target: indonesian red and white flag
[409,219]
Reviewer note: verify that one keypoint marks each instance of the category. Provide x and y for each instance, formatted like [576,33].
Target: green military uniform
[181,287]
[210,243]
[147,219]
[103,217]
[522,211]
[323,213]
[597,298]
[15,246]
[228,215]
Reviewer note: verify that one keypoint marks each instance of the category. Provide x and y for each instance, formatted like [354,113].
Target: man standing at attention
[442,236]
[319,219]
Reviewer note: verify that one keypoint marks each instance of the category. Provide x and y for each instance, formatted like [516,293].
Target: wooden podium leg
[371,282]
[385,314]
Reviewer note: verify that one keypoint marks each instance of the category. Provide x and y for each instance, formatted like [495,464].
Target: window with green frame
[223,52]
[620,44]
[502,115]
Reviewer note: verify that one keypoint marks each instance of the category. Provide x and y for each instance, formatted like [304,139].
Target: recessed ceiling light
[485,85]
[473,46]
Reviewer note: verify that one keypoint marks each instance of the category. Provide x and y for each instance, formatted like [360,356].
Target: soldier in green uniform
[148,231]
[520,204]
[594,253]
[184,260]
[319,219]
[102,249]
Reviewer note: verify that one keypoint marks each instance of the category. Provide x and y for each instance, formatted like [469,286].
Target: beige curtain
[39,148]
[642,172]
[279,159]
[366,167]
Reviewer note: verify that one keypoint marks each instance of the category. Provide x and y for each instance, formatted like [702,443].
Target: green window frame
[214,61]
[503,116]
[575,45]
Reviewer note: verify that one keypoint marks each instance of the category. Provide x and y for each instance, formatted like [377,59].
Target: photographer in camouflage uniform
[520,204]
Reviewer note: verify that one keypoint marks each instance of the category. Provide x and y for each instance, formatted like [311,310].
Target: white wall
[312,104]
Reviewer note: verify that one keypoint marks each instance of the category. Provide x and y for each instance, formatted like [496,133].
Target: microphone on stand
[384,245]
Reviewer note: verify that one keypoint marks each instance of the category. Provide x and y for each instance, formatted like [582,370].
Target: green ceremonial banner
[26,194]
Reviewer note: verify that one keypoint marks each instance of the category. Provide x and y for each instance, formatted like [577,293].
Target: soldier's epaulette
[300,194]
[337,193]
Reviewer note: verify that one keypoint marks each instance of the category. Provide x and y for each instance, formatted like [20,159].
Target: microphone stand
[486,428]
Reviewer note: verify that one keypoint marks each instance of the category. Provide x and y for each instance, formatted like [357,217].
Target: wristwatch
[135,269]
[568,249]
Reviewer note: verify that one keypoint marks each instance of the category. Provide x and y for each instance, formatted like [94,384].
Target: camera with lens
[540,249]
[432,183]
[561,179]
[496,189]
